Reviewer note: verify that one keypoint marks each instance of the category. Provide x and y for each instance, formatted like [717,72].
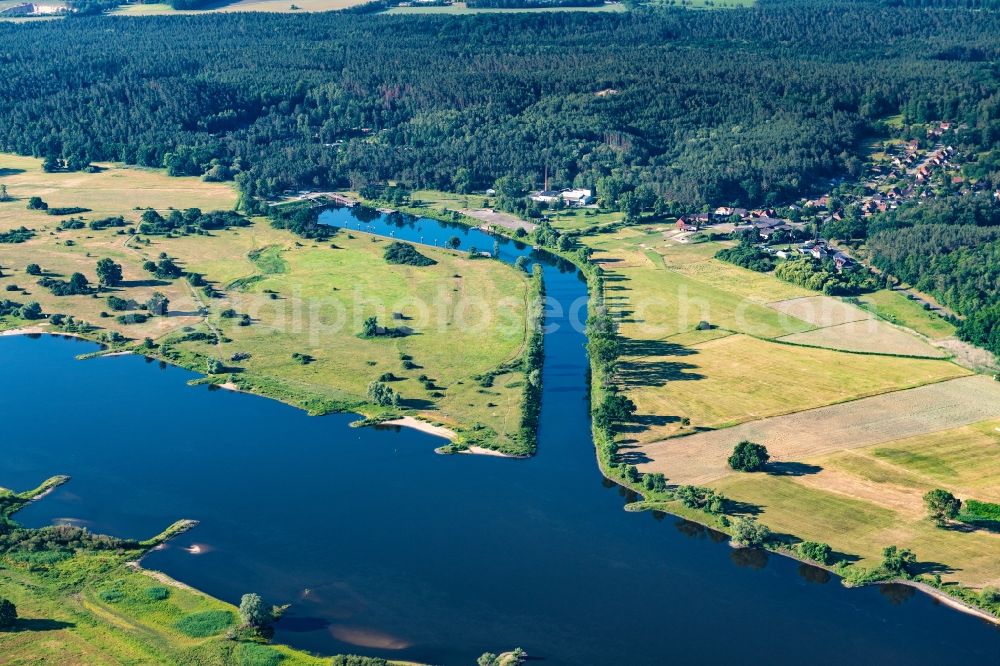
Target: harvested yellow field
[862,526]
[821,311]
[862,499]
[701,458]
[116,190]
[965,459]
[867,335]
[735,379]
[113,191]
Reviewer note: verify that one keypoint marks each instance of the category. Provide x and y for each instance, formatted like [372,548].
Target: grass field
[662,289]
[865,498]
[894,307]
[303,298]
[841,472]
[731,380]
[802,435]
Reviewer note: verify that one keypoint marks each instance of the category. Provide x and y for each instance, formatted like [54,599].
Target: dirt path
[194,293]
[505,220]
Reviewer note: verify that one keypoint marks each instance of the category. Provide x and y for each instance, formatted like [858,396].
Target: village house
[725,212]
[687,223]
[841,260]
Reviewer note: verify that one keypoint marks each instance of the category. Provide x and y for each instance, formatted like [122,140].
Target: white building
[567,196]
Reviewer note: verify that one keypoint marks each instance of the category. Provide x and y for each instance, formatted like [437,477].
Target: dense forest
[703,108]
[654,109]
[952,254]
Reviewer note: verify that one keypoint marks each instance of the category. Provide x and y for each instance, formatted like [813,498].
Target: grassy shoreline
[279,312]
[94,603]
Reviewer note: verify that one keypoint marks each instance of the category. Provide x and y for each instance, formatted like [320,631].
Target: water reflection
[694,530]
[896,594]
[749,558]
[816,575]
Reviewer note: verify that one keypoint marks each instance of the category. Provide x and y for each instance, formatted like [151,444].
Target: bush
[382,394]
[67,210]
[33,269]
[817,552]
[749,457]
[8,614]
[986,514]
[942,506]
[354,660]
[748,256]
[254,654]
[655,482]
[132,318]
[205,623]
[898,561]
[16,235]
[253,612]
[157,593]
[31,311]
[749,533]
[404,253]
[706,499]
[77,285]
[121,305]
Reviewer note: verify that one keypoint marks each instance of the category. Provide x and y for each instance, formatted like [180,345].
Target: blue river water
[384,548]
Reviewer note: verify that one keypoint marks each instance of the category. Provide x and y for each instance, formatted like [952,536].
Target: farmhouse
[728,211]
[687,223]
[841,260]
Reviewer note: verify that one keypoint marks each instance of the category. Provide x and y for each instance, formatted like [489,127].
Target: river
[383,547]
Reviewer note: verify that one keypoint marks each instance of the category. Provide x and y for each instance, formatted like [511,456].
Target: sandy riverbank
[24,330]
[423,426]
[445,433]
